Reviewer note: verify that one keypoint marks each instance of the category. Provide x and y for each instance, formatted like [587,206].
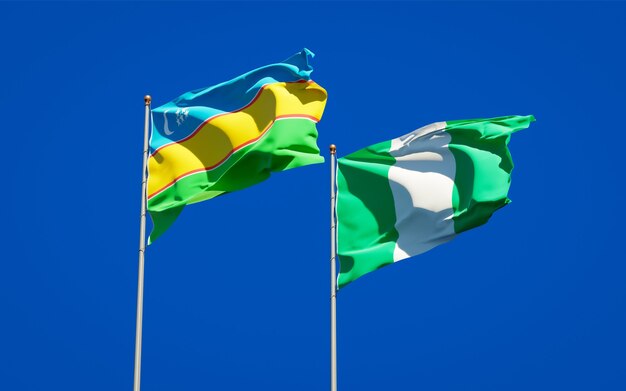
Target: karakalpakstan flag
[402,197]
[230,136]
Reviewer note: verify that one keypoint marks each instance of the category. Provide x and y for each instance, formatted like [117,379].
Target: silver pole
[333,274]
[142,249]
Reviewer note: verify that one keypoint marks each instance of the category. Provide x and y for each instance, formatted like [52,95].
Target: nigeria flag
[402,197]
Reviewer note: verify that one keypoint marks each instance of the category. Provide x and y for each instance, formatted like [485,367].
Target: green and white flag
[402,197]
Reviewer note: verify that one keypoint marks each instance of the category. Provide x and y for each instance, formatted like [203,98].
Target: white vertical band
[422,182]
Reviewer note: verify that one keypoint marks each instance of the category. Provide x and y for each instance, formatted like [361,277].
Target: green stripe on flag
[483,167]
[369,236]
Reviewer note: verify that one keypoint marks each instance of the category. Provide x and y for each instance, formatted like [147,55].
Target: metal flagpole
[333,273]
[142,249]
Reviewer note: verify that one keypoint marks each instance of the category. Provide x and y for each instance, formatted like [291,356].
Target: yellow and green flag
[232,135]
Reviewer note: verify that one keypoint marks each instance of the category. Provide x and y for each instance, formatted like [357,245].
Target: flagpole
[142,248]
[333,273]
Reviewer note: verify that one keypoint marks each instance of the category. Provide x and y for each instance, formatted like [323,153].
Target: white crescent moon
[166,126]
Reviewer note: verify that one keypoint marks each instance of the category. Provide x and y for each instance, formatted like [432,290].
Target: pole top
[147,99]
[333,149]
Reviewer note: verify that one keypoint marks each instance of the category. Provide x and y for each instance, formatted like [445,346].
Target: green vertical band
[367,239]
[483,167]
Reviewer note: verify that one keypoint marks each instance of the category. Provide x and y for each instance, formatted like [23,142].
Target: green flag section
[231,136]
[402,197]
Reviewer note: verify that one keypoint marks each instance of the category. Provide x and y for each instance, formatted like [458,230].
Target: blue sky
[535,299]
